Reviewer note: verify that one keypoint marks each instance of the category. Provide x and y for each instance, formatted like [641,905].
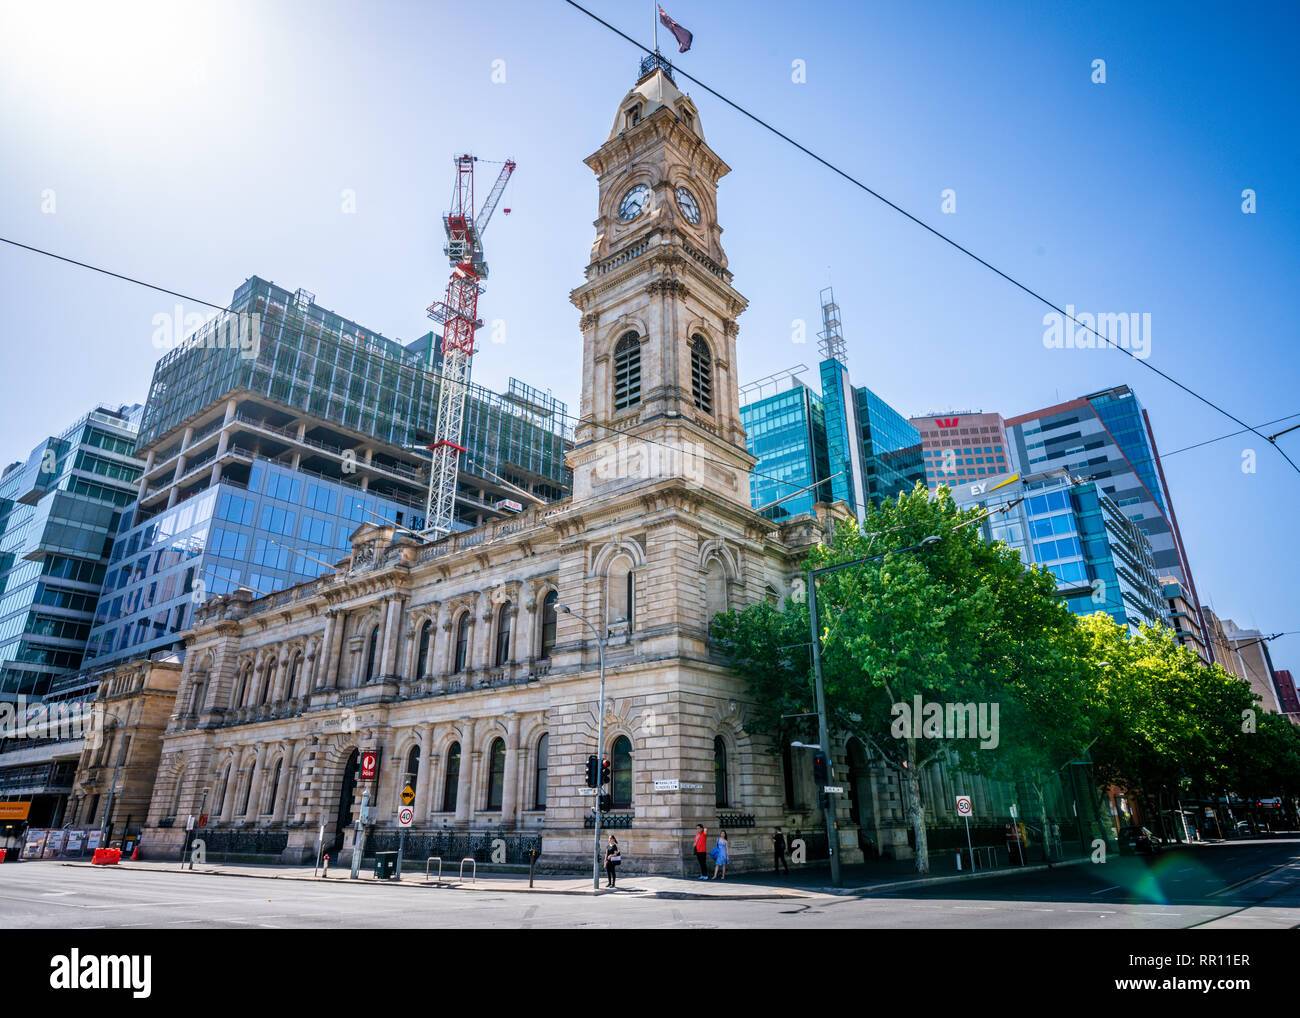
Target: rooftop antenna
[832,345]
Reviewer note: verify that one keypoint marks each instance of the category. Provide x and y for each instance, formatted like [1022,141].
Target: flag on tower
[682,36]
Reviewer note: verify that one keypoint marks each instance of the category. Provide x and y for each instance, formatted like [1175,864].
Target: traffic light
[593,767]
[606,802]
[604,772]
[821,775]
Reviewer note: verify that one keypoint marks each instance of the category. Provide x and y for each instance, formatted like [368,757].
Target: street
[1230,886]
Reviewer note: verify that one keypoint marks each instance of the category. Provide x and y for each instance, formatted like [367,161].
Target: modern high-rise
[262,456]
[1183,617]
[1101,560]
[962,446]
[1107,436]
[58,513]
[864,449]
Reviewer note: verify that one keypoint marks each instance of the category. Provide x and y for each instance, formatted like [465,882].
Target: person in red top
[702,850]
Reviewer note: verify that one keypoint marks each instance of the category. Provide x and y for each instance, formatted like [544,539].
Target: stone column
[526,622]
[255,780]
[333,650]
[468,761]
[510,784]
[392,629]
[286,779]
[425,778]
[232,793]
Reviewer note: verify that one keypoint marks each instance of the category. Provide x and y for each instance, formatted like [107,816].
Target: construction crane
[458,315]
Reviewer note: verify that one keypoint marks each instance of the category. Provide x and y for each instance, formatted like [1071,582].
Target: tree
[959,621]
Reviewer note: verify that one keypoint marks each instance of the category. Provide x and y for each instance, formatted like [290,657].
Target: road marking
[1088,911]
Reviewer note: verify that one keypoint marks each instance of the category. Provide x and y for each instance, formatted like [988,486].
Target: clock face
[689,206]
[634,203]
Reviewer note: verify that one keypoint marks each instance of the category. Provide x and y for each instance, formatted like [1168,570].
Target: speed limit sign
[963,805]
[405,815]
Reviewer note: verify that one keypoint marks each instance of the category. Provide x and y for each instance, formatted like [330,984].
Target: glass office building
[58,513]
[786,433]
[1101,560]
[848,437]
[275,431]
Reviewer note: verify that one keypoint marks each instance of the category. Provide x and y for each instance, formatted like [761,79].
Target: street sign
[1013,812]
[368,761]
[404,816]
[833,789]
[586,791]
[667,785]
[408,795]
[687,785]
[963,805]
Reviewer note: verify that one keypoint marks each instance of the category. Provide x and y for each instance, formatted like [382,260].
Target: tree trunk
[915,809]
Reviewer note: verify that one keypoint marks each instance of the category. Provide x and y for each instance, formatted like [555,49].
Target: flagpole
[654,15]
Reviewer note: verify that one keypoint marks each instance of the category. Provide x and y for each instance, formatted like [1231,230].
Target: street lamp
[823,733]
[600,738]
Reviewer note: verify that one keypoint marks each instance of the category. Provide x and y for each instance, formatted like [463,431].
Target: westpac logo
[947,422]
[131,972]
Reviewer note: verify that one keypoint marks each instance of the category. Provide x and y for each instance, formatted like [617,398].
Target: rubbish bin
[385,865]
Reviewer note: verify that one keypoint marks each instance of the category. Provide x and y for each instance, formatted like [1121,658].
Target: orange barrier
[106,857]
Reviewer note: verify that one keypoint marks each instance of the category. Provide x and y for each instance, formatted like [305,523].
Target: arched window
[451,783]
[248,791]
[275,786]
[422,657]
[543,765]
[715,589]
[412,774]
[621,778]
[241,688]
[291,687]
[225,790]
[702,374]
[621,596]
[549,619]
[627,371]
[719,771]
[496,773]
[505,620]
[268,680]
[462,642]
[372,651]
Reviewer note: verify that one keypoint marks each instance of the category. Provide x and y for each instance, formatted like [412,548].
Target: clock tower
[659,393]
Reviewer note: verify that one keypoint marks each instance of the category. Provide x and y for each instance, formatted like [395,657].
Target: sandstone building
[451,662]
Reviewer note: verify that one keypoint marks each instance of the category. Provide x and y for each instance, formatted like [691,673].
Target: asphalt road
[1238,885]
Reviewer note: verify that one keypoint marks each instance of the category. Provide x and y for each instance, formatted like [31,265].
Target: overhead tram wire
[197,300]
[1233,434]
[942,236]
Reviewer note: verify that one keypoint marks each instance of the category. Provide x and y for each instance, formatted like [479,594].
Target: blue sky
[194,145]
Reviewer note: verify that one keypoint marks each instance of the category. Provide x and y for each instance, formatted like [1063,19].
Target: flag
[682,36]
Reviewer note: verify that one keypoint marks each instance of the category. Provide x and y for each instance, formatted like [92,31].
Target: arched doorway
[346,796]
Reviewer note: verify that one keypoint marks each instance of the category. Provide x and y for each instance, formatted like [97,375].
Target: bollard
[326,873]
[958,862]
[532,861]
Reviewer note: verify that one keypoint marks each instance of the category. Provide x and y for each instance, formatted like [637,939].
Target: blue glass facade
[786,433]
[226,537]
[891,448]
[58,513]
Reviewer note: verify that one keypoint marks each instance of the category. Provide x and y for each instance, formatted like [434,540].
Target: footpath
[862,879]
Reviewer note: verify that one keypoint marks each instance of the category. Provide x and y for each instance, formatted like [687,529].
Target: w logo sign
[947,422]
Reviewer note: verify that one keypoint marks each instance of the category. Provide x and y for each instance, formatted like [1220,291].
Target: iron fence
[513,849]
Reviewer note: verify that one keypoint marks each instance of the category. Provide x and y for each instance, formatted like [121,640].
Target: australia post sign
[369,762]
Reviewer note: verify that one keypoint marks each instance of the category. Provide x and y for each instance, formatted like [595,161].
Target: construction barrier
[106,857]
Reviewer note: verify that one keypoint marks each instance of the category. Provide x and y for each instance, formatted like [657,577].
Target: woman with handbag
[612,858]
[720,856]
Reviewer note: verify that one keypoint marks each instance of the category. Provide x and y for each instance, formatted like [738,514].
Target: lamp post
[600,739]
[112,788]
[823,733]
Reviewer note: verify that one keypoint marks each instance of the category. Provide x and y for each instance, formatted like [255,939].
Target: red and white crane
[458,314]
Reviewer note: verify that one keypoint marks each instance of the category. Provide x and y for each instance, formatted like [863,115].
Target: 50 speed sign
[963,805]
[405,815]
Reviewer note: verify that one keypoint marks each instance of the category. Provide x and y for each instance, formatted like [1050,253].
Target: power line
[1232,434]
[115,275]
[926,226]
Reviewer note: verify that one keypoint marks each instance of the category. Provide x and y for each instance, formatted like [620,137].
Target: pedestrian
[720,856]
[778,852]
[612,858]
[702,850]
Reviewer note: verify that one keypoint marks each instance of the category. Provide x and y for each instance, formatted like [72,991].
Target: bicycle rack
[426,868]
[474,872]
